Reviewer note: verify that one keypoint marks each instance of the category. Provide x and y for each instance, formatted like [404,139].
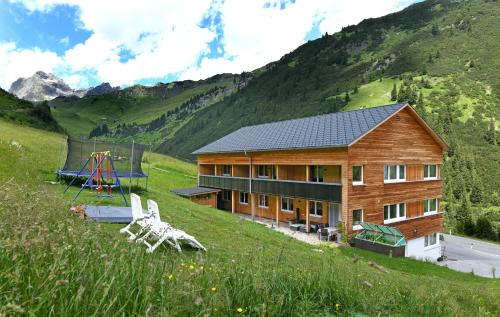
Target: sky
[88,42]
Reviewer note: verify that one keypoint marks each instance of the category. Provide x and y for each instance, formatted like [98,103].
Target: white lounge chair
[139,218]
[163,232]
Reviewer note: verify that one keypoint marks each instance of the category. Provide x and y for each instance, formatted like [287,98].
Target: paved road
[468,255]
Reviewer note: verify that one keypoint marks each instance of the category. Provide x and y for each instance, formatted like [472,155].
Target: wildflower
[337,306]
[191,267]
[213,289]
[182,264]
[170,276]
[239,310]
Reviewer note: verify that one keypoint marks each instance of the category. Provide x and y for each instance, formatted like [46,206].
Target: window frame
[229,167]
[398,179]
[289,204]
[357,226]
[224,192]
[357,183]
[427,204]
[314,173]
[244,194]
[398,213]
[427,170]
[314,204]
[266,199]
[427,240]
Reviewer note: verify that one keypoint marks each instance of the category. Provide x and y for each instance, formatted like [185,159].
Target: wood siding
[206,199]
[399,140]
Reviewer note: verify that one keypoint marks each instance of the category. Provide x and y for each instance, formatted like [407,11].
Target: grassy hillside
[26,113]
[52,263]
[136,107]
[452,43]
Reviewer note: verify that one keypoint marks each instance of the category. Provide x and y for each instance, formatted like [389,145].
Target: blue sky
[87,42]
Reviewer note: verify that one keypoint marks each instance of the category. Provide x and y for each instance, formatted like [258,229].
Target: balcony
[316,191]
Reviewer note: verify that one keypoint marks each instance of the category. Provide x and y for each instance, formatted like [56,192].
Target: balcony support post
[307,216]
[278,210]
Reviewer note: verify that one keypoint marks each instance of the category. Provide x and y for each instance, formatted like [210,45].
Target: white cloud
[165,37]
[16,62]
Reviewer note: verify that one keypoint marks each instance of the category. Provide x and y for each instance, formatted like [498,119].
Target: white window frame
[266,199]
[427,240]
[230,167]
[315,169]
[356,183]
[289,204]
[427,168]
[244,194]
[398,213]
[398,179]
[314,204]
[357,227]
[427,205]
[268,169]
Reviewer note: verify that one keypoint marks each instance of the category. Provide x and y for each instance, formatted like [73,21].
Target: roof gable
[339,129]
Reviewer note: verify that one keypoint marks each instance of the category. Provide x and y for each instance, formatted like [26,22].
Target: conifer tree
[420,103]
[491,133]
[346,97]
[394,93]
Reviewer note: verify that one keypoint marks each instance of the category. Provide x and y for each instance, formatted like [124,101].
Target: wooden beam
[277,211]
[307,174]
[307,216]
[215,169]
[233,201]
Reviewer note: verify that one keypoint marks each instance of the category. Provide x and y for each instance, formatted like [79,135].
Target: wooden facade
[402,139]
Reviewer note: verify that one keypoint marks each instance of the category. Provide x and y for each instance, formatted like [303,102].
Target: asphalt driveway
[467,255]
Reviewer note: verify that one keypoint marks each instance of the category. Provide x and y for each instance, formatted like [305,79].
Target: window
[357,218]
[226,170]
[316,208]
[430,206]
[394,212]
[357,175]
[287,204]
[430,171]
[226,195]
[243,198]
[394,173]
[266,171]
[263,201]
[431,239]
[316,173]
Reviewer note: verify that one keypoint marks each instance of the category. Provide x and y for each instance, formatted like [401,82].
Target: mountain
[26,113]
[104,88]
[42,86]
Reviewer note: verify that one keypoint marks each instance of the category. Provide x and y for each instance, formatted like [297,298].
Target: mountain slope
[448,41]
[26,113]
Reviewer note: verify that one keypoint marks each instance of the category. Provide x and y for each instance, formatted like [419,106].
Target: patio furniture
[294,226]
[140,219]
[323,234]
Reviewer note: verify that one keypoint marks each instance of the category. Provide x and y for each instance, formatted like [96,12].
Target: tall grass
[52,263]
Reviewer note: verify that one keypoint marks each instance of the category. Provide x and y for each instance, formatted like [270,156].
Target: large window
[357,175]
[226,195]
[431,239]
[430,206]
[243,198]
[263,201]
[266,171]
[430,171]
[394,212]
[357,218]
[316,173]
[316,208]
[287,204]
[226,170]
[394,173]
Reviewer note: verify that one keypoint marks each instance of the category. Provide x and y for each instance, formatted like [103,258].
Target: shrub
[484,229]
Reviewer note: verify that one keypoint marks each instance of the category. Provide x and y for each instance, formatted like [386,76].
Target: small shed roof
[194,191]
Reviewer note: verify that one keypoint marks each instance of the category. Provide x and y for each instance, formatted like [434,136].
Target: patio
[310,238]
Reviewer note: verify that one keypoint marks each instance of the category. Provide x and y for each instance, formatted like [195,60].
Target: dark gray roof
[323,131]
[193,191]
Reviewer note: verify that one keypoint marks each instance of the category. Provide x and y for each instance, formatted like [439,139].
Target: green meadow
[54,264]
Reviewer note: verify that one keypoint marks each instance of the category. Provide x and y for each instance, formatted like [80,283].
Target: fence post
[131,167]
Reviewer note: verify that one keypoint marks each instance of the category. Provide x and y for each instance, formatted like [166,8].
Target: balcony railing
[317,191]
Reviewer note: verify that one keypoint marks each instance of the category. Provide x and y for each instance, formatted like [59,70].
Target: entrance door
[334,215]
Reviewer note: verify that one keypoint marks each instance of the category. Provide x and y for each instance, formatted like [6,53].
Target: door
[335,214]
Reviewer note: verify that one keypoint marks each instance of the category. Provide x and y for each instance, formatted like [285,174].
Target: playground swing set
[104,167]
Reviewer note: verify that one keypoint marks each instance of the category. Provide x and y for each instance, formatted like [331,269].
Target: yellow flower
[337,306]
[201,267]
[191,267]
[170,276]
[182,263]
[239,310]
[213,289]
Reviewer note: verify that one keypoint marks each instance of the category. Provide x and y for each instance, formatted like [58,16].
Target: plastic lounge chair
[138,218]
[164,232]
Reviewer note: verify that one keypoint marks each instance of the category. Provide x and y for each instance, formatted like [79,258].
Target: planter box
[379,247]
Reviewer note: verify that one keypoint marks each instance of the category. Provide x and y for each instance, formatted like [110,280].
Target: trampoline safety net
[127,158]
